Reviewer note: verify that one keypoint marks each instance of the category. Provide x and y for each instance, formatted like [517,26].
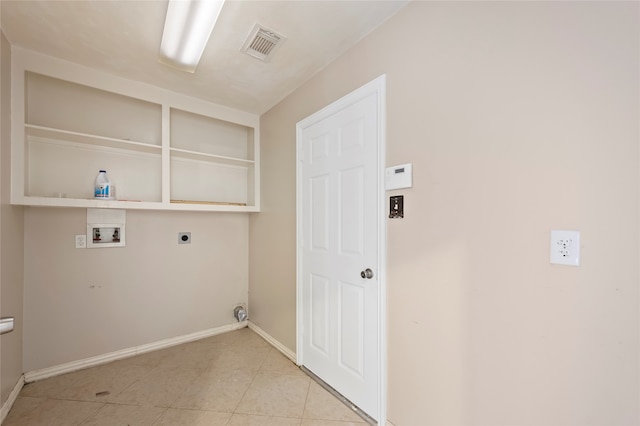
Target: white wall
[11,242]
[81,303]
[519,118]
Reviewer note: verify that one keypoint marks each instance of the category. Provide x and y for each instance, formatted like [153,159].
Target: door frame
[377,87]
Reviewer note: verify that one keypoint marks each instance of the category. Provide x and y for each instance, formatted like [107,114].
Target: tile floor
[234,378]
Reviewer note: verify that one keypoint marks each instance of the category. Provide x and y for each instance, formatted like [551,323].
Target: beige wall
[11,242]
[81,303]
[519,118]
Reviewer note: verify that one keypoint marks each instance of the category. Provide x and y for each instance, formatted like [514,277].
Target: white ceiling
[123,38]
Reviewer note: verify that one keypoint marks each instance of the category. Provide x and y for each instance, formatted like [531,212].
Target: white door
[341,246]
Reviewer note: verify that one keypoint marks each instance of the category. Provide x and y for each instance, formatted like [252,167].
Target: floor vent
[262,42]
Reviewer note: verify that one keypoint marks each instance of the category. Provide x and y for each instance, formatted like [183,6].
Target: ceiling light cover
[187,28]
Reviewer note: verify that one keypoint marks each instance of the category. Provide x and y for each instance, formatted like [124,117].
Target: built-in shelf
[211,203]
[177,205]
[92,140]
[162,150]
[199,156]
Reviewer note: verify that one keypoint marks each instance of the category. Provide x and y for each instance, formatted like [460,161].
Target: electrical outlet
[81,241]
[184,237]
[565,248]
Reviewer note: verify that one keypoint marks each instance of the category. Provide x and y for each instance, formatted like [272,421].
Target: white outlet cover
[81,241]
[565,248]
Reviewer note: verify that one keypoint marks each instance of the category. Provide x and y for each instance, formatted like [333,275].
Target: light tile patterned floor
[234,378]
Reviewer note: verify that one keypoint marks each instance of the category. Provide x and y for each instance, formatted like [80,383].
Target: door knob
[367,273]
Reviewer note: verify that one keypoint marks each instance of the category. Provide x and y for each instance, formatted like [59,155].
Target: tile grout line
[89,416]
[177,398]
[155,422]
[306,399]
[253,379]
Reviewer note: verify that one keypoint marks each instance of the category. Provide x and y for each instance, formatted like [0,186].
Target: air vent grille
[262,42]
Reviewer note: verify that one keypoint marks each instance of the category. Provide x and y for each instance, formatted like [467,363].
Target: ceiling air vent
[262,42]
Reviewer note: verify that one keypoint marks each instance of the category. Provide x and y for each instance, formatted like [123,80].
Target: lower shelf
[175,205]
[210,203]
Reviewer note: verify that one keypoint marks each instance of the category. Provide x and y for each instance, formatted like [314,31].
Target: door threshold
[339,396]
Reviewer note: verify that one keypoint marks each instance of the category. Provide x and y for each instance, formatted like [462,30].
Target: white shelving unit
[202,145]
[162,150]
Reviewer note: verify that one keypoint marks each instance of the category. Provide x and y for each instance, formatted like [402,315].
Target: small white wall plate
[398,177]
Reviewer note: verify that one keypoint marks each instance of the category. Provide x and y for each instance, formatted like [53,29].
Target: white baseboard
[68,367]
[6,407]
[279,346]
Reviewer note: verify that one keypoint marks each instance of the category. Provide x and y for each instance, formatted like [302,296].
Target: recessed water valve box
[105,235]
[106,228]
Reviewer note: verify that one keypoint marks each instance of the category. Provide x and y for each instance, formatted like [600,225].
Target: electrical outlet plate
[81,241]
[396,207]
[565,248]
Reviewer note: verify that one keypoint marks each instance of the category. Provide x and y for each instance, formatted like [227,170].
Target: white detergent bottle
[103,186]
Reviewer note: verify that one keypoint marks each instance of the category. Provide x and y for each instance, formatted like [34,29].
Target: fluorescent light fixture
[187,28]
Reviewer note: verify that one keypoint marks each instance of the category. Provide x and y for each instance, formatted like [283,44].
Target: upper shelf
[199,156]
[85,138]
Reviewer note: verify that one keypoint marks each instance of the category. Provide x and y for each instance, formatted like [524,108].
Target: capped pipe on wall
[240,313]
